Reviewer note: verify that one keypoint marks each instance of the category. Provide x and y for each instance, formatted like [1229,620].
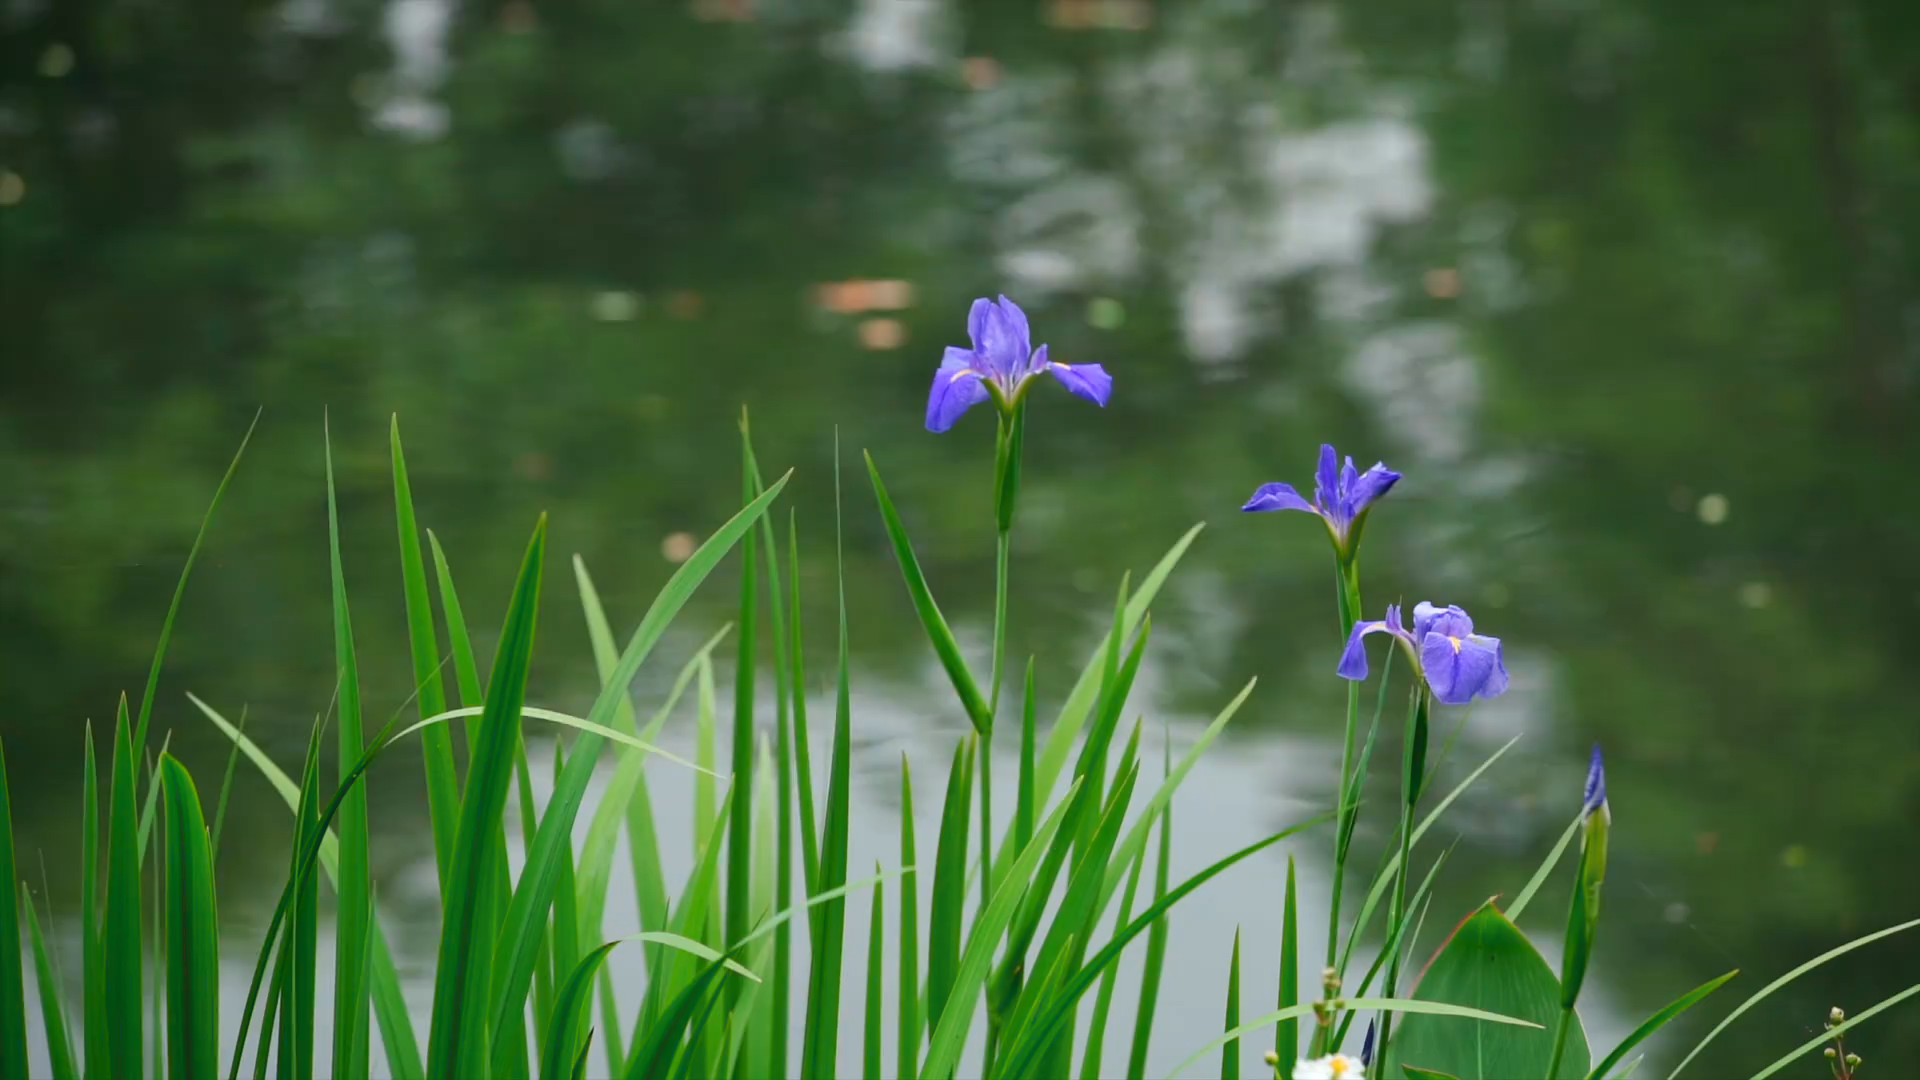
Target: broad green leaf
[1488,964]
[192,935]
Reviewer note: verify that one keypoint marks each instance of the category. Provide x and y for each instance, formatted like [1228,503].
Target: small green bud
[1837,1016]
[1830,1053]
[1853,1061]
[1272,1057]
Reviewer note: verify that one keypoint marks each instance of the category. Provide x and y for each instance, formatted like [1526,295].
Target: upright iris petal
[1000,365]
[1595,801]
[1341,495]
[1457,664]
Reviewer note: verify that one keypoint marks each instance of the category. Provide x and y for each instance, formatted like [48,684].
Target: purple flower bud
[1595,801]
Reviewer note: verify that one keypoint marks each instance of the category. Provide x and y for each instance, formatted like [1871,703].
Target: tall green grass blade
[1023,807]
[949,884]
[692,920]
[1103,999]
[1851,1022]
[1767,990]
[802,739]
[939,634]
[120,932]
[180,589]
[876,960]
[565,1039]
[820,1044]
[1064,1002]
[1540,876]
[1052,974]
[1399,1005]
[354,904]
[93,967]
[193,950]
[756,1033]
[157,992]
[1230,1053]
[1286,1033]
[462,980]
[436,743]
[1658,1020]
[13,990]
[466,673]
[226,788]
[520,934]
[705,756]
[740,836]
[297,994]
[950,1027]
[152,803]
[53,1013]
[907,1039]
[1156,941]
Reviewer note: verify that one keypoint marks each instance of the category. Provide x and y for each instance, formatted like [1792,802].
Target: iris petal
[1496,683]
[1089,381]
[977,322]
[1371,484]
[956,388]
[1277,496]
[1353,659]
[1326,480]
[1016,321]
[1457,669]
[1002,343]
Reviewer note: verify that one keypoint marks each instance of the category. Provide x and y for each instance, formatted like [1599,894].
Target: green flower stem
[1559,1042]
[1347,594]
[1413,768]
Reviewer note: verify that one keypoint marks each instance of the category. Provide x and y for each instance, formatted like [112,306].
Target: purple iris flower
[1458,664]
[1341,495]
[1595,801]
[1000,365]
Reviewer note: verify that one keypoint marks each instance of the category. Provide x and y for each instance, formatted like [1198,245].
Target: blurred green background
[1629,290]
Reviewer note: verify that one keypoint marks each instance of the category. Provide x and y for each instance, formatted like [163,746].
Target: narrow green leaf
[1230,1053]
[436,744]
[1414,1072]
[1286,1033]
[775,1016]
[1540,876]
[939,635]
[180,589]
[1156,950]
[1399,1005]
[950,1030]
[1767,990]
[297,964]
[565,1041]
[226,787]
[820,1045]
[1023,806]
[740,838]
[53,996]
[1657,1021]
[120,933]
[1103,999]
[949,884]
[876,960]
[462,979]
[802,740]
[705,757]
[907,1042]
[1812,1045]
[193,947]
[93,967]
[13,992]
[354,904]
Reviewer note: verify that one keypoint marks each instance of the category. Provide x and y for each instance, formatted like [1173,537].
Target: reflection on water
[1624,288]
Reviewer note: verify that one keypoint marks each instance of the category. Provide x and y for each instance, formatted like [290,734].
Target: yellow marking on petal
[1456,642]
[961,374]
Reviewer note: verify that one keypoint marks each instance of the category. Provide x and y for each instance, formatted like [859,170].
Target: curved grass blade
[949,884]
[463,977]
[565,1042]
[520,933]
[1540,876]
[354,894]
[1064,1002]
[907,1041]
[1851,1022]
[939,635]
[1103,1000]
[740,835]
[1156,947]
[180,587]
[436,744]
[120,933]
[193,947]
[1657,1021]
[1400,1005]
[226,788]
[950,1030]
[1767,990]
[52,994]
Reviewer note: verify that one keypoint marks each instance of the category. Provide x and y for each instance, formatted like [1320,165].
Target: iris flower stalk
[1452,665]
[1583,911]
[1001,366]
[1342,498]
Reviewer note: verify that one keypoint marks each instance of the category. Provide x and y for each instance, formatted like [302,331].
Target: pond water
[1625,290]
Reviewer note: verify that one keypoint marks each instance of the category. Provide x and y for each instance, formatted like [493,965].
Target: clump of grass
[1016,936]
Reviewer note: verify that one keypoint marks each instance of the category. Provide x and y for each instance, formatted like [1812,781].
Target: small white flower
[1331,1067]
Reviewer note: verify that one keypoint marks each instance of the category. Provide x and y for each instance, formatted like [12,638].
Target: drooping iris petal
[957,387]
[1277,496]
[1002,344]
[1458,668]
[1496,683]
[1326,480]
[1089,381]
[1353,660]
[1370,485]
